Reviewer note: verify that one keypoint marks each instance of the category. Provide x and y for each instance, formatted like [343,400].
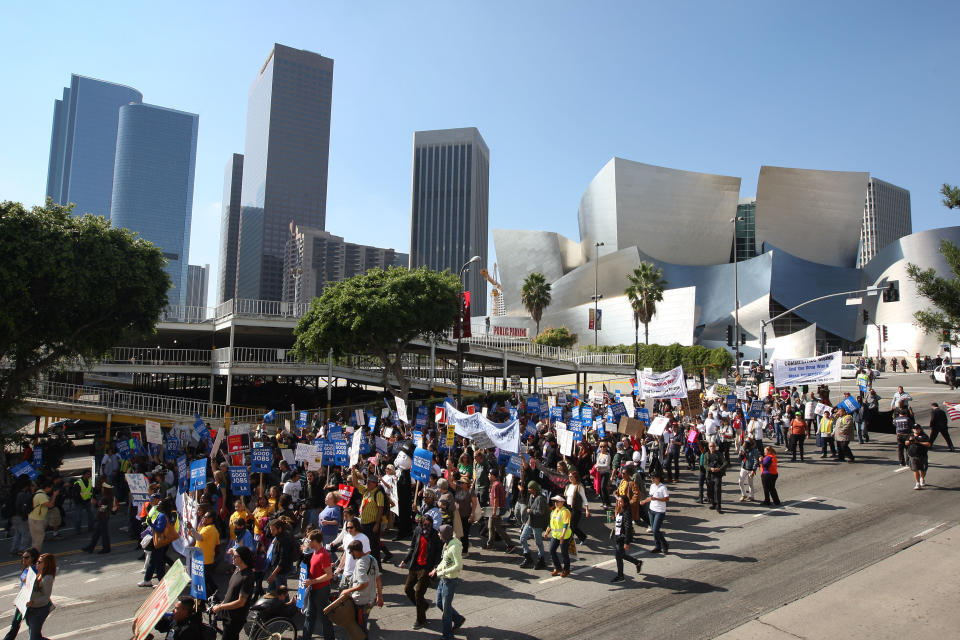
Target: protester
[101,524]
[902,426]
[319,577]
[716,467]
[206,539]
[162,532]
[39,605]
[448,570]
[28,562]
[658,499]
[365,585]
[185,622]
[421,559]
[560,532]
[622,536]
[43,501]
[535,521]
[939,424]
[768,477]
[918,444]
[498,503]
[577,502]
[238,597]
[749,458]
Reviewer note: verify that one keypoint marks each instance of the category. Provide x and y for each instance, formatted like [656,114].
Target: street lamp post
[460,332]
[736,298]
[596,292]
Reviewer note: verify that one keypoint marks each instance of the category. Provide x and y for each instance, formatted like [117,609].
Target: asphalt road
[722,570]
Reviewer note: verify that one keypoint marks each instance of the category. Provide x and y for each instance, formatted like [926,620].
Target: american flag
[953,410]
[606,395]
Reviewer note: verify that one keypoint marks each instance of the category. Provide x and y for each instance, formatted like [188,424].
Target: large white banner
[824,368]
[670,384]
[505,435]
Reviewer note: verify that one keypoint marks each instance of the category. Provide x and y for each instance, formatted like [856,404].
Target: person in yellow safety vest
[83,509]
[560,530]
[826,436]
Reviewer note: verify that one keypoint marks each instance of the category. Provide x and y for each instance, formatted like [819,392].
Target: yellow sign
[451,433]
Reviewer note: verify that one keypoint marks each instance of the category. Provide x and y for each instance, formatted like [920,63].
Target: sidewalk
[911,594]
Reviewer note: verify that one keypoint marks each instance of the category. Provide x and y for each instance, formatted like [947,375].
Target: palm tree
[645,291]
[535,296]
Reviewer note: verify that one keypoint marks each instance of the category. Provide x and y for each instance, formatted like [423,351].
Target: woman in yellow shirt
[206,539]
[240,513]
[263,510]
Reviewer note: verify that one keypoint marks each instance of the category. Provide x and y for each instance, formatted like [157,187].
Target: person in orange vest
[768,477]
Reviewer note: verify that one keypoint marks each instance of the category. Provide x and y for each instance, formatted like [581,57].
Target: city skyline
[671,90]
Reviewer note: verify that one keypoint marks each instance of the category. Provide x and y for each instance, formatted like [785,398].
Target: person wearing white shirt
[292,486]
[898,397]
[351,532]
[658,498]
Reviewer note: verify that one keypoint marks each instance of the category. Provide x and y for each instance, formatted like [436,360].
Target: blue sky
[556,89]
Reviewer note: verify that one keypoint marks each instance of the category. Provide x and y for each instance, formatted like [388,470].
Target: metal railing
[260,309]
[150,356]
[181,313]
[119,401]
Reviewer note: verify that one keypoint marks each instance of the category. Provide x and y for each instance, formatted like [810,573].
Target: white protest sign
[821,409]
[216,444]
[288,455]
[764,389]
[26,591]
[394,498]
[658,425]
[401,410]
[741,392]
[482,441]
[565,440]
[154,433]
[240,428]
[306,452]
[355,447]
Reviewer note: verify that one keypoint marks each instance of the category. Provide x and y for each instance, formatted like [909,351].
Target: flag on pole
[953,410]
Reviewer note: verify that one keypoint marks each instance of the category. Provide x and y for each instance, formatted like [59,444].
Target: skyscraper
[230,229]
[449,205]
[886,218]
[83,143]
[285,164]
[197,279]
[153,174]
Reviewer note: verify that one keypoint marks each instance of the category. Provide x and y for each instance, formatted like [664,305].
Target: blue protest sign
[172,449]
[183,475]
[616,393]
[643,415]
[270,416]
[575,393]
[123,449]
[533,404]
[619,410]
[422,416]
[302,586]
[240,481]
[601,429]
[372,421]
[503,457]
[849,404]
[198,584]
[198,475]
[418,437]
[364,446]
[514,464]
[575,413]
[328,453]
[334,431]
[422,463]
[530,429]
[24,468]
[261,460]
[756,409]
[863,386]
[586,414]
[200,427]
[576,427]
[341,457]
[302,420]
[38,456]
[556,413]
[731,402]
[513,414]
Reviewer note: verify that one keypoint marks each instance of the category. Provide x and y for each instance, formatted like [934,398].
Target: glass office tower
[83,143]
[153,183]
[230,229]
[284,165]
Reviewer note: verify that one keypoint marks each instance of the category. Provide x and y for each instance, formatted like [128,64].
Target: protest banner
[198,475]
[159,600]
[154,432]
[825,368]
[504,435]
[669,384]
[261,460]
[422,464]
[482,441]
[139,487]
[239,480]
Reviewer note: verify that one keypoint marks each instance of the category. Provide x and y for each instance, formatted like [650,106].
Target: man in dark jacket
[716,467]
[183,623]
[422,558]
[938,425]
[534,522]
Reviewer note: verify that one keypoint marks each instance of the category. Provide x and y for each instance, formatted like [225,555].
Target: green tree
[72,287]
[379,313]
[951,196]
[943,293]
[535,295]
[645,291]
[559,337]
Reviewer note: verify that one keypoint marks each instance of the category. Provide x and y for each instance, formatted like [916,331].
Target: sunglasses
[350,526]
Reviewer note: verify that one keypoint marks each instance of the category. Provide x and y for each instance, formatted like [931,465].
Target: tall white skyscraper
[886,217]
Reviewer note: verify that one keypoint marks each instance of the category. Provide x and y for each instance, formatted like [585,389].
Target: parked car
[940,373]
[848,370]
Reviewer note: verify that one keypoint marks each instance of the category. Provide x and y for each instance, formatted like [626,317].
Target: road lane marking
[901,469]
[99,627]
[930,530]
[92,580]
[785,505]
[587,568]
[71,552]
[61,602]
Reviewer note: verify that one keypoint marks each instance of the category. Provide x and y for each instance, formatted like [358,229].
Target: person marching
[448,570]
[28,561]
[622,535]
[560,532]
[658,499]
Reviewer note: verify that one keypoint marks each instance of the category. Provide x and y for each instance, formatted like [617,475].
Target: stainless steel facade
[449,205]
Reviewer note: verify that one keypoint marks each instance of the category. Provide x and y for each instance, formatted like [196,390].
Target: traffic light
[743,338]
[945,334]
[885,338]
[892,291]
[729,335]
[866,317]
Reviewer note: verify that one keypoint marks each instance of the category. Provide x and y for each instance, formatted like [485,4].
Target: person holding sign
[206,539]
[38,608]
[319,576]
[28,563]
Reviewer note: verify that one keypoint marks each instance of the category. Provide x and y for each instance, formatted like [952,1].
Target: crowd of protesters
[342,521]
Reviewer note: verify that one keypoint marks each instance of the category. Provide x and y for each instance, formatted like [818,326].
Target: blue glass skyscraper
[153,183]
[83,142]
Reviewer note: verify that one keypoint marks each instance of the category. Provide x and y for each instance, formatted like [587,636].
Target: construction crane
[496,292]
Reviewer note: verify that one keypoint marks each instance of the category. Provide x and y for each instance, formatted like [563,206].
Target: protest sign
[346,493]
[722,390]
[198,583]
[756,409]
[825,368]
[600,426]
[515,465]
[422,416]
[658,425]
[438,416]
[576,428]
[451,434]
[341,456]
[422,464]
[306,452]
[160,600]
[198,475]
[417,438]
[401,410]
[849,404]
[586,414]
[533,404]
[239,429]
[139,487]
[556,413]
[215,448]
[630,427]
[643,415]
[482,441]
[26,591]
[239,481]
[302,585]
[24,468]
[382,445]
[355,447]
[154,433]
[821,409]
[565,440]
[261,460]
[183,474]
[731,402]
[616,411]
[238,443]
[172,448]
[669,384]
[200,428]
[741,392]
